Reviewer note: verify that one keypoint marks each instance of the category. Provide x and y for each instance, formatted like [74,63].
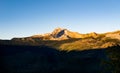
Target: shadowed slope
[42,59]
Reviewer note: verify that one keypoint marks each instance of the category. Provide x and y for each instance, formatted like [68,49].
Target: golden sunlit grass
[90,41]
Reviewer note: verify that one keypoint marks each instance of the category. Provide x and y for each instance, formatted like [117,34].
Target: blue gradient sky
[20,18]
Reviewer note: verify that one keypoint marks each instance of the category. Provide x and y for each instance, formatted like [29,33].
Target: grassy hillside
[89,43]
[43,59]
[69,44]
[73,55]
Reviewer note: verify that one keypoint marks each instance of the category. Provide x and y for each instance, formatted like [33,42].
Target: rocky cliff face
[61,34]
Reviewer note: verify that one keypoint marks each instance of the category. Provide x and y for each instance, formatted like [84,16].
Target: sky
[22,18]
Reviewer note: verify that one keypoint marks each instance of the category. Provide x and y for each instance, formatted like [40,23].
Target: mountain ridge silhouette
[63,34]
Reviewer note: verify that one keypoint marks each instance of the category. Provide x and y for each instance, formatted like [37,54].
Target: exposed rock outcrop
[63,34]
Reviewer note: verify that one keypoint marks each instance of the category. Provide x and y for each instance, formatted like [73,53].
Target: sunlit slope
[64,39]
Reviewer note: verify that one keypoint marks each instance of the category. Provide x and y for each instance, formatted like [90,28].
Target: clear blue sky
[20,18]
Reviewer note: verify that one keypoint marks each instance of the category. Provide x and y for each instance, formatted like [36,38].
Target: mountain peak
[62,34]
[58,28]
[58,34]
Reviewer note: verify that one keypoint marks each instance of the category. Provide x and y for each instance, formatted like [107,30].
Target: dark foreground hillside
[113,54]
[42,59]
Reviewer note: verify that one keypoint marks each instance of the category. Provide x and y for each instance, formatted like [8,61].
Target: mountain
[62,51]
[63,34]
[58,34]
[64,39]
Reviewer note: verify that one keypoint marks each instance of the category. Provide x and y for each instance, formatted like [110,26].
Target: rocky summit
[63,34]
[58,34]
